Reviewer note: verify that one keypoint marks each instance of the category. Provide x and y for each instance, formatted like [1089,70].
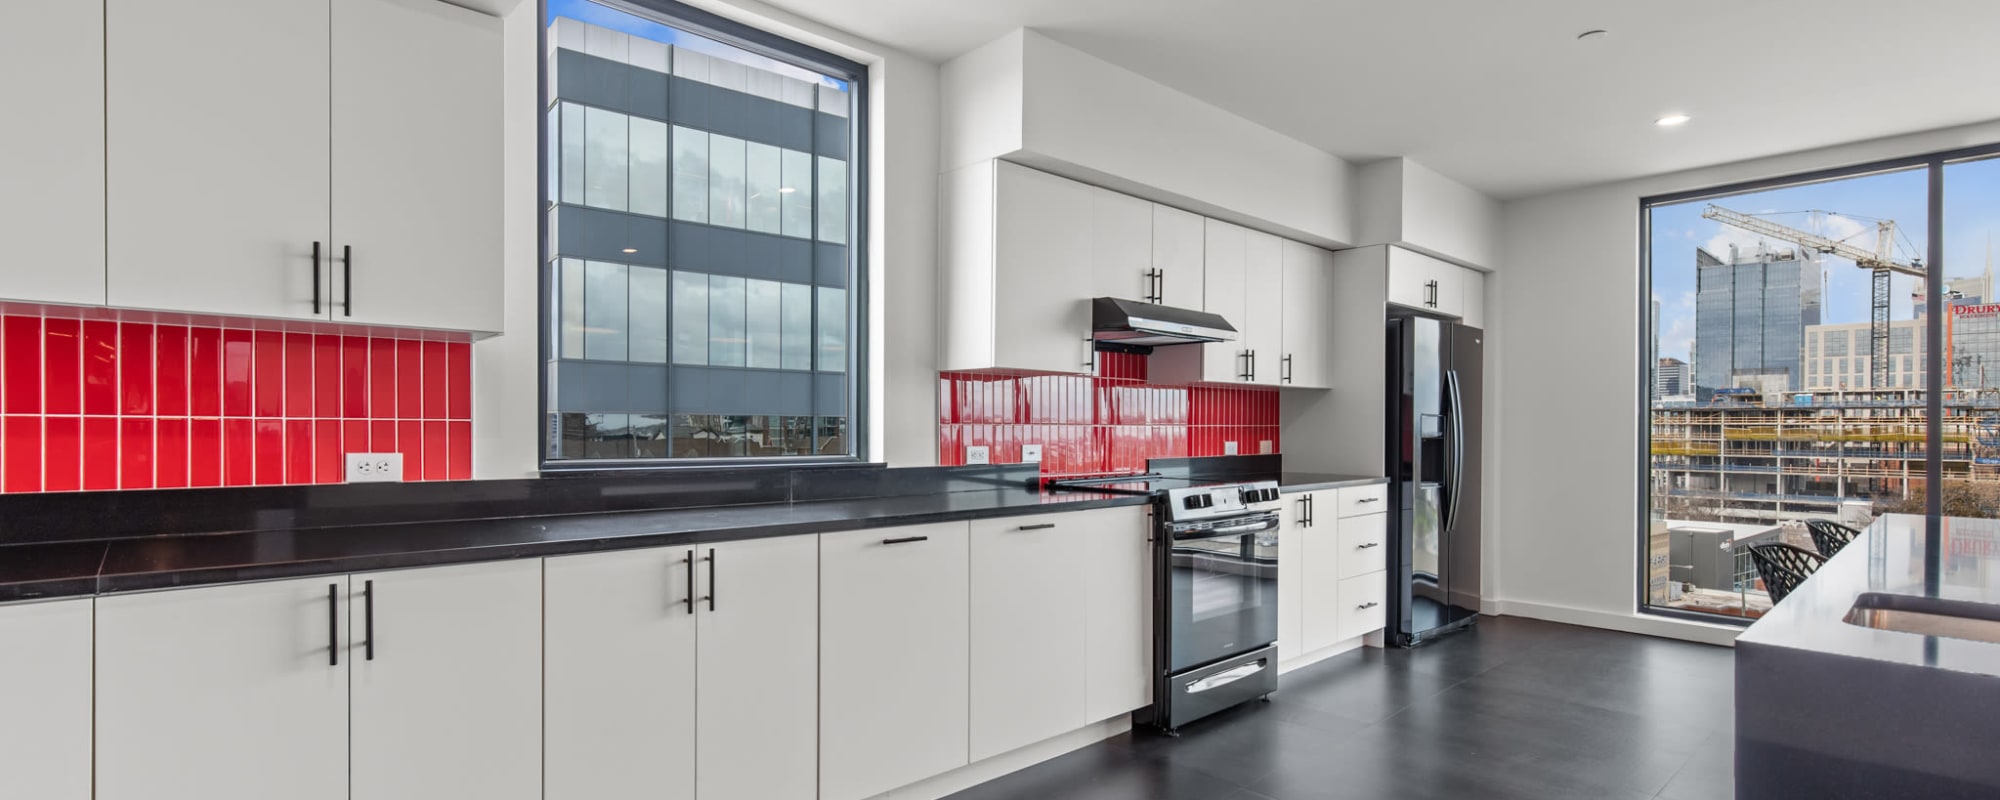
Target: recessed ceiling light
[1592,36]
[631,250]
[1671,120]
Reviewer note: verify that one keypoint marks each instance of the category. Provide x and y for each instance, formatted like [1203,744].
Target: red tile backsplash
[1111,423]
[98,404]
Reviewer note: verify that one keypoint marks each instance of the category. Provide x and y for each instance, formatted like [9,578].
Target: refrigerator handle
[1456,462]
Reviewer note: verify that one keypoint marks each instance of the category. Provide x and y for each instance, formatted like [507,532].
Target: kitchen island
[1831,708]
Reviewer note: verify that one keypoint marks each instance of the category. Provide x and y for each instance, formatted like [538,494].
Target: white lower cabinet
[1319,574]
[1291,577]
[447,682]
[45,700]
[1028,638]
[226,693]
[1361,607]
[1118,653]
[1332,547]
[651,692]
[893,657]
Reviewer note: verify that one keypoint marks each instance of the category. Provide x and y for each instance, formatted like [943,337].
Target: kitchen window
[702,240]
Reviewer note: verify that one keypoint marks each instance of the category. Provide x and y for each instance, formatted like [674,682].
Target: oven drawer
[1363,600]
[1362,541]
[1370,499]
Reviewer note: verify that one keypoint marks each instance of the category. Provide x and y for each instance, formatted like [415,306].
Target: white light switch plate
[1031,454]
[978,454]
[374,467]
[1229,448]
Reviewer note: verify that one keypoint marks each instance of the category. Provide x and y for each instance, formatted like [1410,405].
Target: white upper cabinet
[1121,246]
[1262,322]
[1441,287]
[1017,279]
[1308,311]
[1474,311]
[447,683]
[45,699]
[1178,250]
[416,164]
[251,144]
[52,215]
[218,146]
[226,693]
[1222,281]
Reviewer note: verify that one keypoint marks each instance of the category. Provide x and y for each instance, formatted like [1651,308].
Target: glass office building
[1749,320]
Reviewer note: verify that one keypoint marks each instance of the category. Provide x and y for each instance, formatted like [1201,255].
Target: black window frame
[1930,348]
[771,45]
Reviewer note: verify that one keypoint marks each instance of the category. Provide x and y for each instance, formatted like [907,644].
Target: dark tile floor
[1514,708]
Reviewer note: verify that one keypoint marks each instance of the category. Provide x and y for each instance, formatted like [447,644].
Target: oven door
[1224,578]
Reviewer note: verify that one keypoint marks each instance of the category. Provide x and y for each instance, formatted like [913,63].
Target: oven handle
[1221,679]
[1229,532]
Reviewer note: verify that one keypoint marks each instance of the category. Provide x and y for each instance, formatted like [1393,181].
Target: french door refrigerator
[1433,455]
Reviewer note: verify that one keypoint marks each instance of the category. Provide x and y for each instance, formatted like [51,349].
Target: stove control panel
[1222,500]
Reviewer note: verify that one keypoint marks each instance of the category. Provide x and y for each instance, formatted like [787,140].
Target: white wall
[903,158]
[1037,101]
[1563,387]
[1406,203]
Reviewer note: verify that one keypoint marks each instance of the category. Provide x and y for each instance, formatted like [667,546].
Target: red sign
[1968,311]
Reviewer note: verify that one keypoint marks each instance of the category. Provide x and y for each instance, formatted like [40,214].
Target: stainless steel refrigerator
[1433,454]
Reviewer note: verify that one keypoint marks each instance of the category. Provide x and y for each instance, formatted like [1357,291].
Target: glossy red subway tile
[354,376]
[238,353]
[239,446]
[62,366]
[382,378]
[458,466]
[170,370]
[409,379]
[62,454]
[326,376]
[458,381]
[100,371]
[21,366]
[269,452]
[136,451]
[298,391]
[20,454]
[437,451]
[205,371]
[435,375]
[100,453]
[268,375]
[205,452]
[329,462]
[299,460]
[135,369]
[170,460]
[410,442]
[381,439]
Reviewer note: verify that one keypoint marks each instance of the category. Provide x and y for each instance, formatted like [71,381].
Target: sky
[1972,215]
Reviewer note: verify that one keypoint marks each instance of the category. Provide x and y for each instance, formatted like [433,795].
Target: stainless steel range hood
[1139,324]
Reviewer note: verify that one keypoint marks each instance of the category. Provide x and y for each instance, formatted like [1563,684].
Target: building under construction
[1748,456]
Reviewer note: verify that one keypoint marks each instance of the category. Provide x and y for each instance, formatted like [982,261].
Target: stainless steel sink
[1926,616]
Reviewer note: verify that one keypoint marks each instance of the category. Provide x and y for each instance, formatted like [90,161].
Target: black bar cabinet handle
[906,540]
[711,579]
[1367,545]
[1253,365]
[333,624]
[1369,500]
[368,616]
[1369,604]
[347,279]
[1286,373]
[690,595]
[1041,527]
[315,278]
[1312,508]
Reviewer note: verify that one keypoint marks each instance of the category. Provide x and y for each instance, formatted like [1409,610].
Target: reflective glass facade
[1749,320]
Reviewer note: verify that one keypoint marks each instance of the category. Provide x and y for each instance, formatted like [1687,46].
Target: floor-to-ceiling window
[1787,361]
[701,240]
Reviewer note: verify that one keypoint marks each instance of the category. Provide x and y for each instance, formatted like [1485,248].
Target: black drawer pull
[368,615]
[1368,545]
[1368,605]
[906,540]
[1368,500]
[333,624]
[1040,527]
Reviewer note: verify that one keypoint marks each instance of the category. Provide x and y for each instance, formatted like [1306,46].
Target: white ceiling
[1499,94]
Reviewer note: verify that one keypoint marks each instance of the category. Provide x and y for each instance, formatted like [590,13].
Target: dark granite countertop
[1889,558]
[81,568]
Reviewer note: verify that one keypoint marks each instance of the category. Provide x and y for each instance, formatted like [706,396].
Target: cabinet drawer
[1034,523]
[1362,604]
[1370,499]
[1362,542]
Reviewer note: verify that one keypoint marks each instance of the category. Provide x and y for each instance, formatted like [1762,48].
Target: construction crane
[1881,260]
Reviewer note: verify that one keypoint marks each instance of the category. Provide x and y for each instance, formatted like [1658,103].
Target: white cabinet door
[758,681]
[1028,641]
[52,215]
[619,666]
[1319,575]
[1472,309]
[1118,558]
[1223,267]
[225,693]
[1370,498]
[1262,321]
[417,164]
[1361,604]
[1291,577]
[1308,306]
[45,699]
[1363,542]
[1121,246]
[217,155]
[1420,281]
[448,683]
[1041,256]
[893,657]
[1178,247]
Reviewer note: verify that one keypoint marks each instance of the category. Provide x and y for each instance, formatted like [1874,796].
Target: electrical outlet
[1031,454]
[374,467]
[1265,447]
[1229,448]
[978,454]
